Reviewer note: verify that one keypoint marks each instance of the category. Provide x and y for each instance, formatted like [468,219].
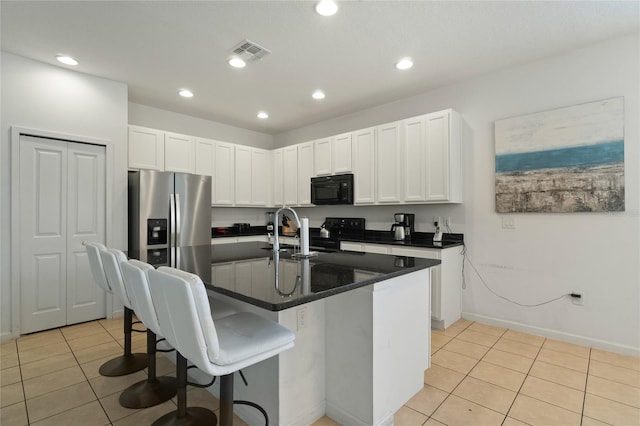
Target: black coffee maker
[409,224]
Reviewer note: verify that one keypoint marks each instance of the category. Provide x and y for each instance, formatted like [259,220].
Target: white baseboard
[555,334]
[6,336]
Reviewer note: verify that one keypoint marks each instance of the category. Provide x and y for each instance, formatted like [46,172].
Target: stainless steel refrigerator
[167,211]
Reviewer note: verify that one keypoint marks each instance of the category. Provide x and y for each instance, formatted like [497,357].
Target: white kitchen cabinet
[322,157]
[205,159]
[179,153]
[277,161]
[243,175]
[443,157]
[446,278]
[341,153]
[389,163]
[244,276]
[290,176]
[414,134]
[224,275]
[260,177]
[223,179]
[145,148]
[305,173]
[363,156]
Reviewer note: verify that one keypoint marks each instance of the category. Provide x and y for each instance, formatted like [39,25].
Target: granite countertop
[300,280]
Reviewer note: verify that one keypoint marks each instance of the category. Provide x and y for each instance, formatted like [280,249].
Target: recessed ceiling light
[326,7]
[237,62]
[263,115]
[67,60]
[186,93]
[404,64]
[318,94]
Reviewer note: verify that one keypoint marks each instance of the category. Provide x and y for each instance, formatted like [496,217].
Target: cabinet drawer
[416,252]
[345,245]
[376,248]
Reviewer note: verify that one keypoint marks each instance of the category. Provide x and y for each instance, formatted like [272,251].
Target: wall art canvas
[563,160]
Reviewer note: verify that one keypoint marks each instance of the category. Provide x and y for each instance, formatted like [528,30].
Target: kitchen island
[361,320]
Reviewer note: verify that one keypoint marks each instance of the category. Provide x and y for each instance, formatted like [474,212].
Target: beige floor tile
[56,402]
[508,360]
[112,324]
[553,393]
[535,412]
[486,394]
[52,382]
[518,348]
[453,361]
[478,338]
[14,415]
[433,422]
[90,341]
[104,386]
[564,360]
[90,414]
[614,391]
[91,369]
[40,340]
[405,416]
[612,372]
[519,336]
[555,373]
[114,410]
[99,351]
[427,400]
[8,348]
[325,421]
[504,377]
[442,378]
[611,412]
[48,365]
[588,421]
[36,354]
[200,398]
[487,329]
[434,350]
[11,394]
[570,348]
[78,331]
[439,340]
[509,421]
[458,411]
[164,366]
[452,331]
[9,360]
[616,359]
[147,416]
[40,334]
[462,323]
[9,376]
[469,349]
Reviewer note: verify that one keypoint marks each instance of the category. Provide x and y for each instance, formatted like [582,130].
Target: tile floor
[480,375]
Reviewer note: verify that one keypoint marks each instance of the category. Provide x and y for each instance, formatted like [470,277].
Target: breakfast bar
[361,320]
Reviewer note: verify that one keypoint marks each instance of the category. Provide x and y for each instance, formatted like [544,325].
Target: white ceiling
[157,47]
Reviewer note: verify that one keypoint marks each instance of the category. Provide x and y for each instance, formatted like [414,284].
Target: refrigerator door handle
[178,224]
[172,221]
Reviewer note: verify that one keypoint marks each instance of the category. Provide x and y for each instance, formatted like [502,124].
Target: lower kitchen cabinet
[446,278]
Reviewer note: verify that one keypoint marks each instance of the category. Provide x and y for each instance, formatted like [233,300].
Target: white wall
[547,254]
[142,115]
[40,96]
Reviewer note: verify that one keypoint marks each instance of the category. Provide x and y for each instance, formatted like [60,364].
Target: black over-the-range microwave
[337,189]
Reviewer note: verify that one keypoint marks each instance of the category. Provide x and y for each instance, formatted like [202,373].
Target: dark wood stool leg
[226,400]
[127,363]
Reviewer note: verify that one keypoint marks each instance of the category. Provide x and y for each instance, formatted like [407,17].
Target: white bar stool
[128,362]
[219,347]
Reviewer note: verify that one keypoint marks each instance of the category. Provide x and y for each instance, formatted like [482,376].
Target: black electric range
[339,228]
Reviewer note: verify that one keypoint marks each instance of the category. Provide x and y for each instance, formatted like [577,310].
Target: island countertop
[246,271]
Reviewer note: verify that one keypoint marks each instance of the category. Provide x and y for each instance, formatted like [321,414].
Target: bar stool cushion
[111,259]
[135,277]
[95,263]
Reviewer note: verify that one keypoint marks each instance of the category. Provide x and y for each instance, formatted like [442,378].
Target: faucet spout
[276,243]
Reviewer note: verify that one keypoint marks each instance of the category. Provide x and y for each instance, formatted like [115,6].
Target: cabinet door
[224,166]
[243,176]
[243,277]
[437,156]
[322,157]
[259,177]
[305,173]
[364,166]
[278,177]
[179,153]
[388,163]
[205,157]
[290,176]
[341,153]
[146,148]
[224,275]
[261,281]
[414,164]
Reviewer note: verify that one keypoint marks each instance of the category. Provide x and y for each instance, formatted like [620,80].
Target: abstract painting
[563,160]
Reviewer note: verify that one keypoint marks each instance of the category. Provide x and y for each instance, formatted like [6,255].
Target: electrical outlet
[436,221]
[578,300]
[302,318]
[508,222]
[447,221]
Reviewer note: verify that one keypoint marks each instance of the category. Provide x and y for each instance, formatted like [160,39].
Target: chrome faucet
[276,244]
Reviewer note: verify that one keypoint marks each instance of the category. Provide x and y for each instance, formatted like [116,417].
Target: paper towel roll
[304,235]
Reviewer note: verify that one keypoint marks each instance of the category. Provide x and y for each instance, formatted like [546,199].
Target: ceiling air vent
[250,51]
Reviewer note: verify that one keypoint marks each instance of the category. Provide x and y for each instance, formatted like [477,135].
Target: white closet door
[86,222]
[43,233]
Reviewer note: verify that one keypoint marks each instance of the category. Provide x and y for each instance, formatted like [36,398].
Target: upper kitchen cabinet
[146,148]
[224,174]
[433,169]
[332,155]
[290,176]
[305,173]
[260,176]
[277,162]
[363,155]
[205,159]
[389,163]
[252,176]
[179,153]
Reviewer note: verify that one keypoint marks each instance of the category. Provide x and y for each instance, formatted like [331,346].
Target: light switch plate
[509,222]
